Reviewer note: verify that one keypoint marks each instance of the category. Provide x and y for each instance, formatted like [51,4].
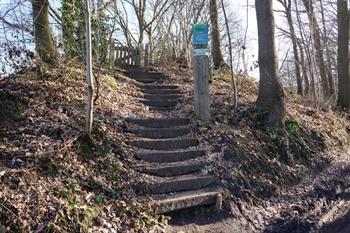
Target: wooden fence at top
[121,55]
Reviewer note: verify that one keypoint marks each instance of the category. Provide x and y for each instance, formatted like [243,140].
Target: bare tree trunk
[288,10]
[328,53]
[89,78]
[98,36]
[141,9]
[244,46]
[317,41]
[304,70]
[271,94]
[42,33]
[343,54]
[218,59]
[234,86]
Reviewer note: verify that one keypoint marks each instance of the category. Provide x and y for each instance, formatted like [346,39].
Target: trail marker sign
[200,51]
[200,34]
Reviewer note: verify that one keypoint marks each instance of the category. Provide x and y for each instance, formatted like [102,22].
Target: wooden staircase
[168,152]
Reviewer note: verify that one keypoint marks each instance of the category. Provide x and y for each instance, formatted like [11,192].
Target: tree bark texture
[295,48]
[319,53]
[343,54]
[271,98]
[89,77]
[44,45]
[218,59]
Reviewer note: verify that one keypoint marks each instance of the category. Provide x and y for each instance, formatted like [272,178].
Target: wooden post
[201,87]
[201,72]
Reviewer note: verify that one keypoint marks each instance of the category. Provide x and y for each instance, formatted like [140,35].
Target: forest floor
[52,180]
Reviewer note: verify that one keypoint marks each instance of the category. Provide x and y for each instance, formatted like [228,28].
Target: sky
[240,8]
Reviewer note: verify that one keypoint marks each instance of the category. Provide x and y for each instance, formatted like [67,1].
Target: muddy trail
[321,204]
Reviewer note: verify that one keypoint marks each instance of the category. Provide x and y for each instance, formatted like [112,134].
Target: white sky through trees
[238,7]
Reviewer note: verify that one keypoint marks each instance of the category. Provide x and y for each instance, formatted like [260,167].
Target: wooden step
[162,97]
[161,91]
[170,156]
[159,122]
[160,103]
[177,184]
[165,144]
[188,200]
[139,75]
[157,86]
[162,109]
[147,80]
[161,132]
[173,169]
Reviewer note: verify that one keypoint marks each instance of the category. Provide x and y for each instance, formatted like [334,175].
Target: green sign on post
[201,72]
[200,34]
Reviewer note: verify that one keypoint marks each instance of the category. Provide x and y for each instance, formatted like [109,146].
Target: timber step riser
[148,80]
[161,91]
[177,185]
[162,97]
[175,170]
[161,109]
[160,103]
[175,144]
[169,157]
[156,87]
[189,201]
[160,123]
[145,75]
[161,133]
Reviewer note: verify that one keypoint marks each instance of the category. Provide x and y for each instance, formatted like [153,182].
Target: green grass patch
[111,83]
[293,128]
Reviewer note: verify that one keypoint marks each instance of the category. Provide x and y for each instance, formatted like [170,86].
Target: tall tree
[234,86]
[89,77]
[327,85]
[287,4]
[218,59]
[271,98]
[326,46]
[343,54]
[304,70]
[44,45]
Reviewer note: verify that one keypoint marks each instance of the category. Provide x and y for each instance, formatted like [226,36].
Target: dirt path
[318,204]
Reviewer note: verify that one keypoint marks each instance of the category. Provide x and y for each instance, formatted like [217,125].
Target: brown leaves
[42,173]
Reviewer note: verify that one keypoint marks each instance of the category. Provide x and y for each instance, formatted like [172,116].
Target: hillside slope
[51,179]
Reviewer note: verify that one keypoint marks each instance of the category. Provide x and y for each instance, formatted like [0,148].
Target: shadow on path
[198,216]
[340,225]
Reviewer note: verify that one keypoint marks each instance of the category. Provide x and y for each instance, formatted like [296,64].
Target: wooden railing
[124,56]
